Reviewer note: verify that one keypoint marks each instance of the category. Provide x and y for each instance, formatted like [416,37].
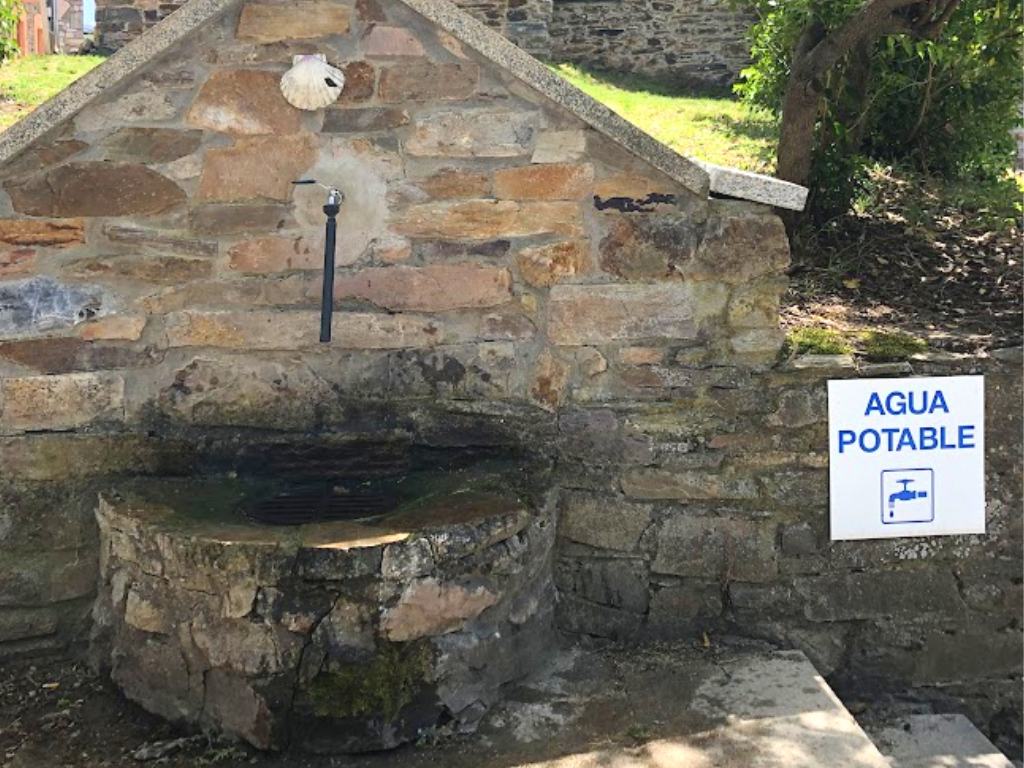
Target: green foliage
[948,105]
[10,12]
[942,106]
[818,341]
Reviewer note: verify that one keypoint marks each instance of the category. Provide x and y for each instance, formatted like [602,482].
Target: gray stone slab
[937,741]
[667,706]
[745,185]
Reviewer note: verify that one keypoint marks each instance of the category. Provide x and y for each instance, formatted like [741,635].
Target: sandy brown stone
[63,354]
[141,106]
[425,81]
[545,265]
[544,182]
[739,247]
[434,288]
[270,22]
[41,156]
[429,607]
[360,82]
[70,190]
[159,240]
[633,186]
[163,270]
[550,379]
[559,146]
[239,219]
[296,329]
[382,40]
[455,182]
[598,314]
[366,119]
[26,232]
[474,133]
[256,168]
[274,254]
[243,102]
[119,327]
[642,355]
[285,291]
[151,145]
[60,402]
[487,219]
[370,10]
[642,245]
[16,261]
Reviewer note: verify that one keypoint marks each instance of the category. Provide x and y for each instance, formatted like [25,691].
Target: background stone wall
[696,43]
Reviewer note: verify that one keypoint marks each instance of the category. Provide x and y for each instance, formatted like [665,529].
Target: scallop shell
[311,83]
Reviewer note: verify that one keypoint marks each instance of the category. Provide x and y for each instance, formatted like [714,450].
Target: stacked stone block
[690,43]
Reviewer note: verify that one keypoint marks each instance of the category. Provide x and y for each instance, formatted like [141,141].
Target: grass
[28,82]
[717,129]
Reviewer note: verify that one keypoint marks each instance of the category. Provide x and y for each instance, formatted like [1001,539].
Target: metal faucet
[905,494]
[331,208]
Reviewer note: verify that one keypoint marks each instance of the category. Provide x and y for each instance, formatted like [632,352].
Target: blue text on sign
[920,438]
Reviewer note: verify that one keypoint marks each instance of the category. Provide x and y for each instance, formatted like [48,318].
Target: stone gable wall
[506,276]
[160,275]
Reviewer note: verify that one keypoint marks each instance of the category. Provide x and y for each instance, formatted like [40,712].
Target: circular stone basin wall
[329,637]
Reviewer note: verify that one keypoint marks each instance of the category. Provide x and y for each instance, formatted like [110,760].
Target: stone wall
[524,22]
[160,283]
[697,43]
[705,509]
[507,277]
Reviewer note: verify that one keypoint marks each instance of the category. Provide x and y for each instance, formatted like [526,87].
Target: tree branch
[875,18]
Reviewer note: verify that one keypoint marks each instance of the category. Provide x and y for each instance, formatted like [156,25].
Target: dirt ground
[727,705]
[916,262]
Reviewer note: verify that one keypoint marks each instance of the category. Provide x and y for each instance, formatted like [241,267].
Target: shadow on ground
[729,706]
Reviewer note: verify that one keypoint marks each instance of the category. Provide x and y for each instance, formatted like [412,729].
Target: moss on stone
[383,686]
[884,346]
[818,341]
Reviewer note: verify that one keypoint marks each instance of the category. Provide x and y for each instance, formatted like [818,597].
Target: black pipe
[331,209]
[327,295]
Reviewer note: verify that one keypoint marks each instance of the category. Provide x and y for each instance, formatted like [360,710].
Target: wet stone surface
[342,636]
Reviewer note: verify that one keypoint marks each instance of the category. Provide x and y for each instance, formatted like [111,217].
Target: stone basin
[340,636]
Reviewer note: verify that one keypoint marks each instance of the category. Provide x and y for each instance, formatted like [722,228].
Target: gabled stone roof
[698,177]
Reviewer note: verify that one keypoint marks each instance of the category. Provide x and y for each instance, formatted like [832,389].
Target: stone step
[936,741]
[661,707]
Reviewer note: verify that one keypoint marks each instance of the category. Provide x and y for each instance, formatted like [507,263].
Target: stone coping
[746,185]
[193,15]
[207,509]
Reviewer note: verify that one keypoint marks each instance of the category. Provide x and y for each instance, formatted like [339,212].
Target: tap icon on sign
[908,496]
[904,494]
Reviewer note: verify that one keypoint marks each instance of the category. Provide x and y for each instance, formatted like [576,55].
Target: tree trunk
[796,136]
[819,51]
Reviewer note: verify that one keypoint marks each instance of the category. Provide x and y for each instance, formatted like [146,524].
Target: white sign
[906,457]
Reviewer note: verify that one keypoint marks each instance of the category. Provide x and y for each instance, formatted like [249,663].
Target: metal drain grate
[319,504]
